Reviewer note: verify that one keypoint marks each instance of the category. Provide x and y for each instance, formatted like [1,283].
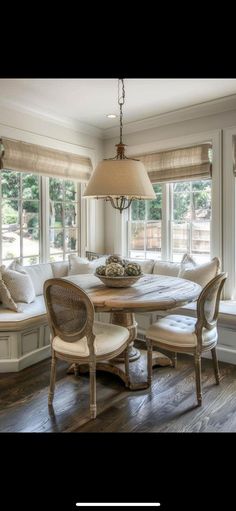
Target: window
[187,212]
[64,232]
[145,227]
[20,217]
[191,219]
[26,200]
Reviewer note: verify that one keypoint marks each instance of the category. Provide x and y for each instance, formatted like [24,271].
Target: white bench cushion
[108,339]
[28,310]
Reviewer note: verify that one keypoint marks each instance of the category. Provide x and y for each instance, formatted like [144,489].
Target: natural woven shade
[178,164]
[24,157]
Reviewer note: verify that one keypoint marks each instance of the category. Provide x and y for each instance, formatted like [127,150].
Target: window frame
[215,138]
[44,216]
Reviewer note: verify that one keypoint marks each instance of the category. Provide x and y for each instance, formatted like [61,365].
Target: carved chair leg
[215,365]
[197,362]
[149,360]
[92,380]
[52,378]
[127,366]
[174,360]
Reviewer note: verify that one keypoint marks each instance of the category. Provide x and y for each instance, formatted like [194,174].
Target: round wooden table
[150,293]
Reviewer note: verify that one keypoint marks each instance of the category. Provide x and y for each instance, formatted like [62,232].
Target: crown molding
[66,122]
[192,112]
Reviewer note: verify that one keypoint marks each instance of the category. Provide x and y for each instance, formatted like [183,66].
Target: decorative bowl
[124,281]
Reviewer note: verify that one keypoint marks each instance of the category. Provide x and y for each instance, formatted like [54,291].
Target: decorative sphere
[133,269]
[101,270]
[115,259]
[114,270]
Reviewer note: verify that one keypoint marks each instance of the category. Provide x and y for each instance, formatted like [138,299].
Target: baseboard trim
[17,364]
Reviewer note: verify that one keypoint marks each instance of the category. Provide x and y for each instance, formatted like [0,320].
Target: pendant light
[120,180]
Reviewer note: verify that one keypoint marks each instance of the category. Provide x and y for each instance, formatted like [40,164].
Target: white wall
[35,129]
[172,135]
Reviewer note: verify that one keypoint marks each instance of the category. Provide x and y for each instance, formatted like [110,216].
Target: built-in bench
[25,336]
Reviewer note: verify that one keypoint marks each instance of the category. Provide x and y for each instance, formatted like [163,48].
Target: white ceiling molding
[199,110]
[192,112]
[66,122]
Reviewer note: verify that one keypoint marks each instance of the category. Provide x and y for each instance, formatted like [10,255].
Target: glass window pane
[10,215]
[201,239]
[27,261]
[138,210]
[70,190]
[56,240]
[70,214]
[10,244]
[154,208]
[56,215]
[202,205]
[30,186]
[153,239]
[30,220]
[181,207]
[137,236]
[55,189]
[30,242]
[181,187]
[10,184]
[157,188]
[180,238]
[137,254]
[71,240]
[56,257]
[204,184]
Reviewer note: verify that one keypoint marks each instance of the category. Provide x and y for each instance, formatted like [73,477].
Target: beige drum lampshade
[121,177]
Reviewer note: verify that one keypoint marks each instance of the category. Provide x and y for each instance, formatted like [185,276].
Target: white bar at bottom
[118,504]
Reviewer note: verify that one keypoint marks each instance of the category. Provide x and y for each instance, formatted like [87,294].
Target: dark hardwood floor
[169,406]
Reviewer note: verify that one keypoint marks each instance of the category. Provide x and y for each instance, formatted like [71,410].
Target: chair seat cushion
[108,339]
[178,330]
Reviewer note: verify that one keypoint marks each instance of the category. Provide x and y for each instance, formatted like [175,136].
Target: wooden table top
[150,293]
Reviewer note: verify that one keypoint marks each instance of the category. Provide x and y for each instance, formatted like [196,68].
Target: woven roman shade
[178,164]
[24,157]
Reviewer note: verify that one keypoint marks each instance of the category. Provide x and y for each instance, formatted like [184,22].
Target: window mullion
[44,224]
[166,226]
[21,219]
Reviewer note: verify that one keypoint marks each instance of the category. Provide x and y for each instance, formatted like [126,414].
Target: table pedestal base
[137,370]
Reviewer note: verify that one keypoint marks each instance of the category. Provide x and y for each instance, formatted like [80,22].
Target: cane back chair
[184,334]
[76,337]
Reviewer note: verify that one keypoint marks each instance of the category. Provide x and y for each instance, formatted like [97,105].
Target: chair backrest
[70,311]
[208,303]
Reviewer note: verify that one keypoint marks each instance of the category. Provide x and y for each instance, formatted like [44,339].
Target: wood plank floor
[169,406]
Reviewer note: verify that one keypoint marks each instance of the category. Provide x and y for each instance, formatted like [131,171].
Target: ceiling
[89,100]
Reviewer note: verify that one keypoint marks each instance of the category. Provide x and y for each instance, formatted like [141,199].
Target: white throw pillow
[5,297]
[60,269]
[168,268]
[38,274]
[80,265]
[19,285]
[201,274]
[146,264]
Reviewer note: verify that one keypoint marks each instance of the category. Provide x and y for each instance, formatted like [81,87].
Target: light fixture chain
[121,100]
